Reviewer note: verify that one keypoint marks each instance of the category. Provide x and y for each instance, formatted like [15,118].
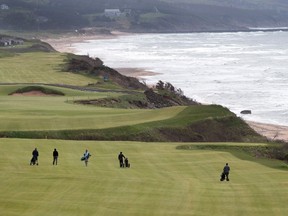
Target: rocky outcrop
[246,112]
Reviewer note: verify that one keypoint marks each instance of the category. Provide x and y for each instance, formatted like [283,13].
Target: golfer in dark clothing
[86,156]
[226,171]
[121,159]
[55,157]
[35,155]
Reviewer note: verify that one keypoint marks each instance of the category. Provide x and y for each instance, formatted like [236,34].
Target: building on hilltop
[112,13]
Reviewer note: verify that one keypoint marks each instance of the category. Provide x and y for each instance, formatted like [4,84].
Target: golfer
[226,171]
[55,156]
[121,159]
[35,155]
[86,157]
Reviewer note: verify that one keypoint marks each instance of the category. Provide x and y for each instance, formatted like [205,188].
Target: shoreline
[65,44]
[271,131]
[138,73]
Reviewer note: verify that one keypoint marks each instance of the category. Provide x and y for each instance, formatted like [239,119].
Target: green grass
[7,89]
[59,113]
[161,181]
[164,178]
[57,117]
[38,67]
[24,113]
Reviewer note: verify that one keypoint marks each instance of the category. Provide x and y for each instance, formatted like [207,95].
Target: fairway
[161,181]
[58,112]
[39,68]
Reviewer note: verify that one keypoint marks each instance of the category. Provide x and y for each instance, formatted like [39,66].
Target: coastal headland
[65,43]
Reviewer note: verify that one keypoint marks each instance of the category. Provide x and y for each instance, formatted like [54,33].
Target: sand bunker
[33,93]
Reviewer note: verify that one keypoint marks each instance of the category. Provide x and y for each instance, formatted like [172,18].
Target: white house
[112,13]
[7,41]
[4,7]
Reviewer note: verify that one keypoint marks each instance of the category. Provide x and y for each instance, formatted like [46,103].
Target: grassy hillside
[143,16]
[58,117]
[26,113]
[39,67]
[161,181]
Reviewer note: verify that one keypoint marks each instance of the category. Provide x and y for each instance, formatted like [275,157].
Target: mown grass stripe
[161,181]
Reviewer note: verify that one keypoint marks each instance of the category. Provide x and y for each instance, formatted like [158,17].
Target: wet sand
[65,43]
[135,72]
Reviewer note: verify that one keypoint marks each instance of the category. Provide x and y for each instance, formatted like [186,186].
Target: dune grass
[161,181]
[38,67]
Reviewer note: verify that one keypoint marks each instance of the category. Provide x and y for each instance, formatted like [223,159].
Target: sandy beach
[64,44]
[273,132]
[135,72]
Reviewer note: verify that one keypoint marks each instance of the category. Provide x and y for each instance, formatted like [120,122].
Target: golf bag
[127,164]
[33,161]
[85,157]
[222,176]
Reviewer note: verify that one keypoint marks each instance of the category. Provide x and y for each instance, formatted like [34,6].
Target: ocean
[241,71]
